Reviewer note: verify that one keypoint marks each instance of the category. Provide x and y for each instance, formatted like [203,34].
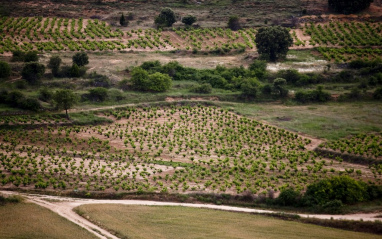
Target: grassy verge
[181,222]
[27,220]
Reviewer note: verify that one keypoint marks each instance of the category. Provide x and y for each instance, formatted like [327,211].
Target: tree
[189,20]
[75,70]
[5,69]
[54,64]
[273,42]
[123,21]
[98,94]
[32,72]
[81,59]
[166,18]
[349,6]
[234,23]
[65,99]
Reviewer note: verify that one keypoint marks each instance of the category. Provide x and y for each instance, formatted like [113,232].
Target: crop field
[180,222]
[171,149]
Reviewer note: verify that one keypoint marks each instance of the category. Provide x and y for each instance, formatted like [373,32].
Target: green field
[28,220]
[181,222]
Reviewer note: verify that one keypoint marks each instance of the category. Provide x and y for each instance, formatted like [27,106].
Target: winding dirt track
[64,206]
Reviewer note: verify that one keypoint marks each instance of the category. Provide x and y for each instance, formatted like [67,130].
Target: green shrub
[342,188]
[166,18]
[288,197]
[80,59]
[159,82]
[5,70]
[378,94]
[33,72]
[54,64]
[349,6]
[98,94]
[205,88]
[31,56]
[189,20]
[45,94]
[317,95]
[115,94]
[250,87]
[18,55]
[97,80]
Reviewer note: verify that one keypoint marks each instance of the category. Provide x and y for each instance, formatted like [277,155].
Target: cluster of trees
[330,195]
[167,18]
[80,59]
[349,6]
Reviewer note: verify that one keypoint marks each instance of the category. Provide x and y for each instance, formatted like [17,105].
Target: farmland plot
[172,149]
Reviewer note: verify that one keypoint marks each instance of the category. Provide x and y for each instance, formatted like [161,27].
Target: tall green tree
[273,42]
[349,6]
[166,18]
[234,23]
[123,21]
[65,99]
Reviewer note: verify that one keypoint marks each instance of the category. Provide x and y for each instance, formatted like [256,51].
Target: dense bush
[18,55]
[349,6]
[5,70]
[359,63]
[288,197]
[234,23]
[342,188]
[45,94]
[54,65]
[317,95]
[141,80]
[31,56]
[258,68]
[98,94]
[98,80]
[378,94]
[189,20]
[205,88]
[80,59]
[250,87]
[115,94]
[19,100]
[159,82]
[33,72]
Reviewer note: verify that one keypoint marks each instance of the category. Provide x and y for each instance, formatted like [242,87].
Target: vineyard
[170,149]
[344,41]
[363,145]
[62,34]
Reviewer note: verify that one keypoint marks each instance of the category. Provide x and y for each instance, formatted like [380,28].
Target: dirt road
[64,207]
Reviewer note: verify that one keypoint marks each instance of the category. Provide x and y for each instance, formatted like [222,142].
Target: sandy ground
[64,206]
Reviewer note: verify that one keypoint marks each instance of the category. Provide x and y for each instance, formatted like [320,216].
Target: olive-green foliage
[141,80]
[75,70]
[45,94]
[234,23]
[159,82]
[166,18]
[343,188]
[189,20]
[33,72]
[81,59]
[54,64]
[288,197]
[18,55]
[31,56]
[65,99]
[250,87]
[19,100]
[205,88]
[378,93]
[278,89]
[98,94]
[317,95]
[349,6]
[5,69]
[273,42]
